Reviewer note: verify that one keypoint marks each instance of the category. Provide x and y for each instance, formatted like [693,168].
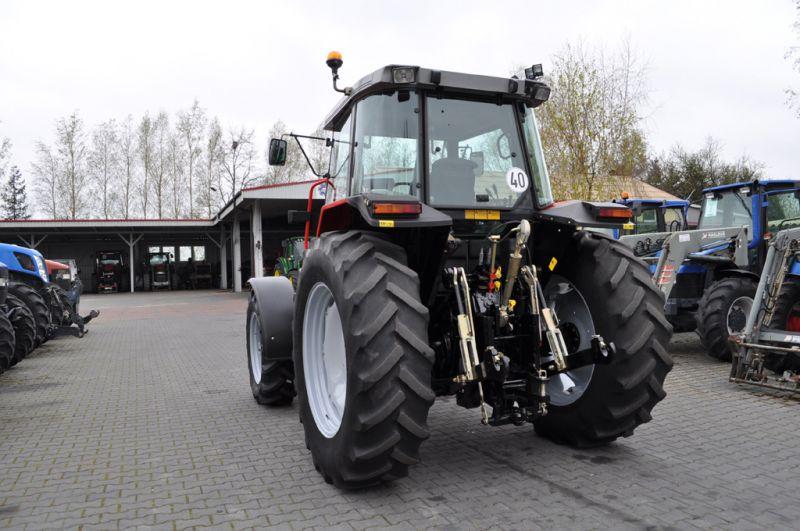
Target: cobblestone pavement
[149,421]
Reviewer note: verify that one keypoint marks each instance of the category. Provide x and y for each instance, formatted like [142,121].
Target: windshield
[783,211]
[727,209]
[475,157]
[158,259]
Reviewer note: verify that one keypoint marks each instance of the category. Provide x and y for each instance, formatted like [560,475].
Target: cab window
[647,221]
[783,211]
[673,219]
[386,149]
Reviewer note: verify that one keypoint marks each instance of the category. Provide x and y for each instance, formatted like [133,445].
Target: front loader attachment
[766,353]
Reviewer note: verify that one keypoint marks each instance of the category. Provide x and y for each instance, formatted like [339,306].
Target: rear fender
[274,298]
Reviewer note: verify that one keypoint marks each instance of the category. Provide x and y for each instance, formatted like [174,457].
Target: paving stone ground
[149,421]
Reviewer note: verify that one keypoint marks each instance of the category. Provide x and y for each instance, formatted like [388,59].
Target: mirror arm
[303,151]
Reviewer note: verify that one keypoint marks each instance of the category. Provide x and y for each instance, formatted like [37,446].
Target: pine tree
[14,199]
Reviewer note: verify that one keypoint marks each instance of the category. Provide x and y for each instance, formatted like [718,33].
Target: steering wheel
[500,148]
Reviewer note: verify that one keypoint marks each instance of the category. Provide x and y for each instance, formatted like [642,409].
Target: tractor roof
[533,91]
[651,201]
[762,182]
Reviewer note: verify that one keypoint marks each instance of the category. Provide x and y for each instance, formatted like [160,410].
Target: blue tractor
[7,336]
[709,276]
[50,305]
[27,281]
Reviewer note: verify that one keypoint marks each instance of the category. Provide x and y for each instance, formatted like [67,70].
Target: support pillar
[255,237]
[237,256]
[131,246]
[223,258]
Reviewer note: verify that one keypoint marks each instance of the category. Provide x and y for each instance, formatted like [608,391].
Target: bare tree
[793,55]
[237,160]
[146,132]
[5,148]
[72,152]
[176,165]
[191,124]
[208,191]
[161,136]
[104,164]
[47,171]
[591,125]
[127,158]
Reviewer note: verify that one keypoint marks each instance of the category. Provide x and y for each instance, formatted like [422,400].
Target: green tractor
[291,260]
[442,266]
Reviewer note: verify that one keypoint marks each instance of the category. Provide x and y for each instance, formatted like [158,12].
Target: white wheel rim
[571,309]
[255,347]
[737,314]
[324,360]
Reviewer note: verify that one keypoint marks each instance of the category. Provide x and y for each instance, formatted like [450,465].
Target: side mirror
[298,216]
[277,152]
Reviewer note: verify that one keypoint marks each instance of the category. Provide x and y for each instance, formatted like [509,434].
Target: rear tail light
[396,209]
[616,213]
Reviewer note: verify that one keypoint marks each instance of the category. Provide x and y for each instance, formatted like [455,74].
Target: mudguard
[274,298]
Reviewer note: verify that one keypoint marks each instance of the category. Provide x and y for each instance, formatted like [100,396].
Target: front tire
[271,381]
[607,401]
[6,343]
[362,359]
[722,311]
[24,328]
[38,307]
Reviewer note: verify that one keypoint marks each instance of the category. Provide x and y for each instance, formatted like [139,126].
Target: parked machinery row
[38,297]
[159,272]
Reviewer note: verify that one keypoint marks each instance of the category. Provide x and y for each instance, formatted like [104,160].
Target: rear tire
[24,328]
[36,304]
[628,310]
[717,320]
[357,287]
[6,343]
[272,383]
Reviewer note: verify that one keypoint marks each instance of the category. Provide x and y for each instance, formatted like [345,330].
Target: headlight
[404,74]
[40,266]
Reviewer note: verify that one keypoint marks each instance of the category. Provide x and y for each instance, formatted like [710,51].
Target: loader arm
[710,245]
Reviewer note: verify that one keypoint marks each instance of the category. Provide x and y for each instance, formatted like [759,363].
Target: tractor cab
[764,207]
[655,215]
[412,145]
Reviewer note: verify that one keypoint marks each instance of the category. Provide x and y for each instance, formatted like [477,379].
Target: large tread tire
[712,314]
[24,327]
[785,316]
[38,307]
[389,361]
[276,387]
[628,310]
[7,342]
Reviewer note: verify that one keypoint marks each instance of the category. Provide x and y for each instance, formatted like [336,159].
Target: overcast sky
[716,67]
